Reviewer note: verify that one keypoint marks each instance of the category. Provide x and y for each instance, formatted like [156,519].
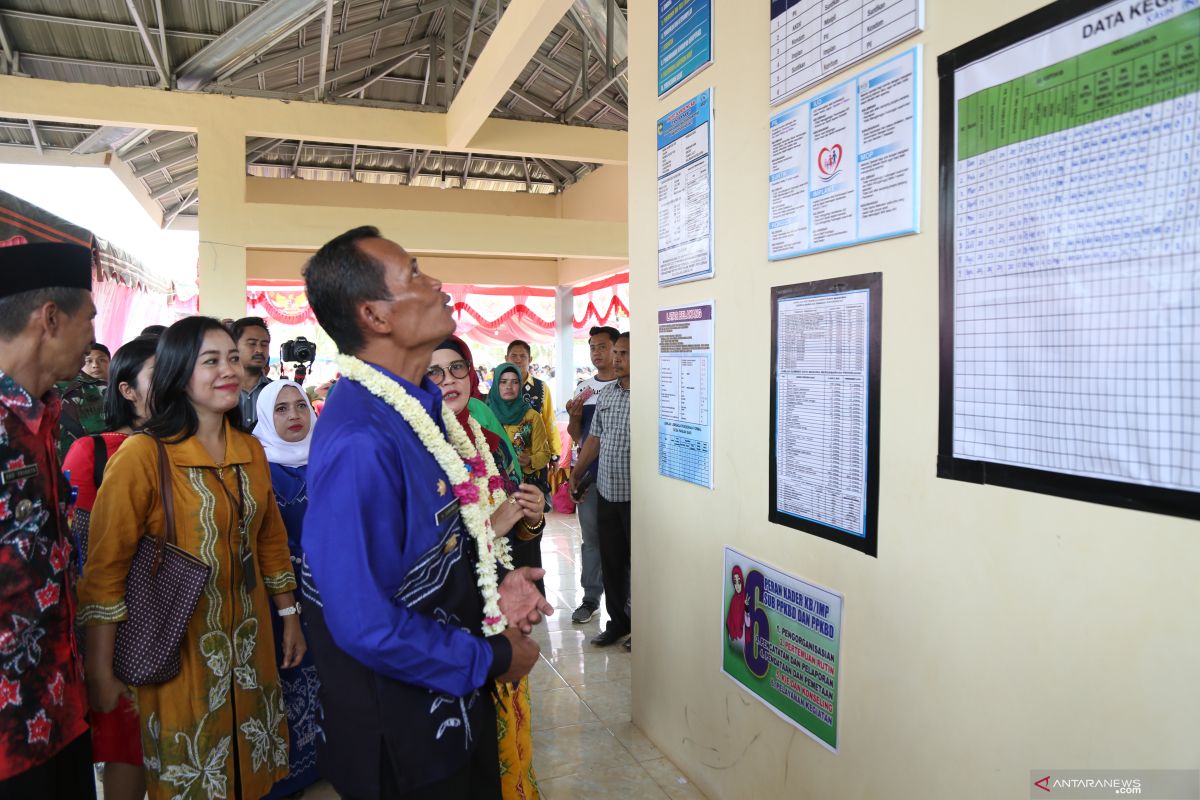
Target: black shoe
[629,644]
[606,637]
[585,613]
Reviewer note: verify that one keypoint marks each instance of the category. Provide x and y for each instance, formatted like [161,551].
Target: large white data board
[1071,299]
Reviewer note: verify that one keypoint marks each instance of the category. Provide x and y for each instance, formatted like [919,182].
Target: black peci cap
[44,265]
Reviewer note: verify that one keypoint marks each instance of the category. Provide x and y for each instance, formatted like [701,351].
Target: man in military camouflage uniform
[82,410]
[46,313]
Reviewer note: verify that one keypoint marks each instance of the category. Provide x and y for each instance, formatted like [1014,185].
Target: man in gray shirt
[608,440]
[254,345]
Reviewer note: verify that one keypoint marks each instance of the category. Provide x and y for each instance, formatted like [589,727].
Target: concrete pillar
[221,273]
[564,346]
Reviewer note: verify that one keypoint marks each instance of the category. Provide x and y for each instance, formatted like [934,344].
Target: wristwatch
[289,611]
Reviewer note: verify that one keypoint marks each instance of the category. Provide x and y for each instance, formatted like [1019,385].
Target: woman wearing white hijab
[284,427]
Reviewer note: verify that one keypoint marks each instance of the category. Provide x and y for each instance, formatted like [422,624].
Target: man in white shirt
[581,408]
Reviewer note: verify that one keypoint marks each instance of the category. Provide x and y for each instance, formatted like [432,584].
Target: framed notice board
[1069,256]
[825,356]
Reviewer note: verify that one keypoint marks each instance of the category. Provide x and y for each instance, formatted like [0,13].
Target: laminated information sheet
[685,192]
[685,369]
[845,164]
[1072,202]
[825,408]
[813,39]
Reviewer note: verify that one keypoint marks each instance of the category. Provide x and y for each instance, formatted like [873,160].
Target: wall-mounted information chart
[812,40]
[685,181]
[1070,214]
[844,164]
[685,370]
[684,41]
[825,349]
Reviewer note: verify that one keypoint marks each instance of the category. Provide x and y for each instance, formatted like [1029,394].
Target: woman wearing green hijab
[527,433]
[523,425]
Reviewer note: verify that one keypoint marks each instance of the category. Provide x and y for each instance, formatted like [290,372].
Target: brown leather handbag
[161,594]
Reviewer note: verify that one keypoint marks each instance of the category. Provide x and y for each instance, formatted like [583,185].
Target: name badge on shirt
[447,511]
[19,473]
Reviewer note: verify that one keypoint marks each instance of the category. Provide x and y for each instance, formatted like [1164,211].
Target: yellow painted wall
[998,631]
[602,195]
[263,264]
[574,271]
[287,265]
[412,198]
[237,213]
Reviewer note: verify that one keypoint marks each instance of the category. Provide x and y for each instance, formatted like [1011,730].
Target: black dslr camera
[299,351]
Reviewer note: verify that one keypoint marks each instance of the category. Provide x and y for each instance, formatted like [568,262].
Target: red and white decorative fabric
[602,302]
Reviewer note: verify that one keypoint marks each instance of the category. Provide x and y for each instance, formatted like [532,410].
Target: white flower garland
[471,470]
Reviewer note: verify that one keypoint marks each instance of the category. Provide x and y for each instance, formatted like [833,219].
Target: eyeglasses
[458,369]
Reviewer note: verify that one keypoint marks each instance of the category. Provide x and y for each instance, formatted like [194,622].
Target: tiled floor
[584,745]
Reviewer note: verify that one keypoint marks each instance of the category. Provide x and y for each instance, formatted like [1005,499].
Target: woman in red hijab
[493,431]
[452,369]
[735,620]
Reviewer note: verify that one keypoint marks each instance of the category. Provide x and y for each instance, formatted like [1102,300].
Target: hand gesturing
[520,601]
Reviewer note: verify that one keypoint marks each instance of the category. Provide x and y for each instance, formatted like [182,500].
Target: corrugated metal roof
[388,52]
[97,41]
[53,135]
[332,162]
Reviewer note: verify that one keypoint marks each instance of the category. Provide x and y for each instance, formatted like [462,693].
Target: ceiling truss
[407,54]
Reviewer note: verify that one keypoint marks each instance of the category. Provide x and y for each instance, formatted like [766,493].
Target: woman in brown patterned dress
[219,728]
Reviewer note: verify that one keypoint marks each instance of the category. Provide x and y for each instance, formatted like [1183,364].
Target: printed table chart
[685,457]
[1076,291]
[822,390]
[685,364]
[813,39]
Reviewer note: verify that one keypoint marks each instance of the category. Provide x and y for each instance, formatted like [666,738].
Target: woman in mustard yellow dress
[219,728]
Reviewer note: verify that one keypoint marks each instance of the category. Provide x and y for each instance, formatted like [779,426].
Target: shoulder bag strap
[168,503]
[99,461]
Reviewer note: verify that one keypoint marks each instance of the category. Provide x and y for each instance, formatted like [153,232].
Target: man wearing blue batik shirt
[405,668]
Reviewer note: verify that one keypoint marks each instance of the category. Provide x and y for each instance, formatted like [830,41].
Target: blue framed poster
[684,41]
[845,164]
[685,192]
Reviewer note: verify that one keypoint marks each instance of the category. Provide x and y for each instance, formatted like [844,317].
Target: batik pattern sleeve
[274,558]
[357,538]
[123,510]
[539,446]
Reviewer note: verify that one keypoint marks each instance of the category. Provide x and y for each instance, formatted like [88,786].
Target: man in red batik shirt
[46,313]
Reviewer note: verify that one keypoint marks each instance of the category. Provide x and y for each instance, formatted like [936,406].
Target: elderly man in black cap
[46,314]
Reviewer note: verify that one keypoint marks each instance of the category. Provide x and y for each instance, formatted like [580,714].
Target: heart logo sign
[828,161]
